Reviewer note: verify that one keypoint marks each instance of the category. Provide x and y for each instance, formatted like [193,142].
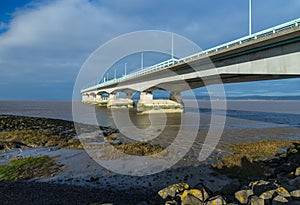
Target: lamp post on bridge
[250,17]
[142,60]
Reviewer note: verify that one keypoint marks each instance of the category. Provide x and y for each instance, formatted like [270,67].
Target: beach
[80,173]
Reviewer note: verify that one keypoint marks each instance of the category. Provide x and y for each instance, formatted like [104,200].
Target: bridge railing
[245,39]
[138,73]
[165,64]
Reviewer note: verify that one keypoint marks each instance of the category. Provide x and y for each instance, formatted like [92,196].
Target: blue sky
[44,43]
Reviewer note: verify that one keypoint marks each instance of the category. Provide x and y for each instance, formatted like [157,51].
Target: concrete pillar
[92,98]
[98,98]
[84,98]
[146,97]
[175,96]
[148,105]
[112,96]
[129,95]
[114,102]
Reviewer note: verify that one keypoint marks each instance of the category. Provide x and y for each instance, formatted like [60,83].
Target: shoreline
[81,173]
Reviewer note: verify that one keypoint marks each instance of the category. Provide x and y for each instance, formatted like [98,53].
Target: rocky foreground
[282,186]
[264,172]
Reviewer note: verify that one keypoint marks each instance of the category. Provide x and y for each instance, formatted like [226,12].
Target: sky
[43,43]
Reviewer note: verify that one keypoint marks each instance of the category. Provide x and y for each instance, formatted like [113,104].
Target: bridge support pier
[147,104]
[114,102]
[100,100]
[85,99]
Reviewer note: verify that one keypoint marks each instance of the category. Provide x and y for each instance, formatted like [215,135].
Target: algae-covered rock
[295,194]
[200,194]
[262,186]
[255,200]
[217,200]
[190,199]
[279,200]
[283,192]
[172,190]
[297,171]
[268,194]
[243,195]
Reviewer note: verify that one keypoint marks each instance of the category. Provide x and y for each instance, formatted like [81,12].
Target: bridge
[271,54]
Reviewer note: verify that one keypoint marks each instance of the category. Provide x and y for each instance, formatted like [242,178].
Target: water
[246,119]
[258,113]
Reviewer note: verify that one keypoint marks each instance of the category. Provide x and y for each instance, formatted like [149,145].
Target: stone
[267,194]
[231,188]
[297,172]
[255,200]
[261,187]
[217,200]
[295,194]
[243,195]
[258,183]
[94,178]
[190,200]
[279,200]
[200,194]
[282,192]
[172,190]
[142,203]
[173,202]
[294,202]
[295,182]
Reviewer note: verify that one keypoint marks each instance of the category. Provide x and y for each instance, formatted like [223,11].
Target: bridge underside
[266,59]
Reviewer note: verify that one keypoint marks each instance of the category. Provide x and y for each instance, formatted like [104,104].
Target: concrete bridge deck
[270,54]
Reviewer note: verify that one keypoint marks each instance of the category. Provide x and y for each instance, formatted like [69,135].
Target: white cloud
[49,40]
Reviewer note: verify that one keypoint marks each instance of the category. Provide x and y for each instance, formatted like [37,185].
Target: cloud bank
[46,42]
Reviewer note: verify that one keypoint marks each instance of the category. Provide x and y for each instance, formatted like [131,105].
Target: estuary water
[246,120]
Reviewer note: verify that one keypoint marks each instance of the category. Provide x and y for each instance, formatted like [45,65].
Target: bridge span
[270,54]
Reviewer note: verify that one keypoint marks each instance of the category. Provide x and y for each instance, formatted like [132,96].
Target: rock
[172,190]
[294,202]
[243,195]
[202,195]
[217,200]
[296,194]
[258,183]
[283,192]
[255,200]
[279,200]
[231,188]
[142,203]
[297,172]
[292,151]
[190,200]
[115,142]
[261,186]
[267,195]
[94,178]
[295,182]
[173,202]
